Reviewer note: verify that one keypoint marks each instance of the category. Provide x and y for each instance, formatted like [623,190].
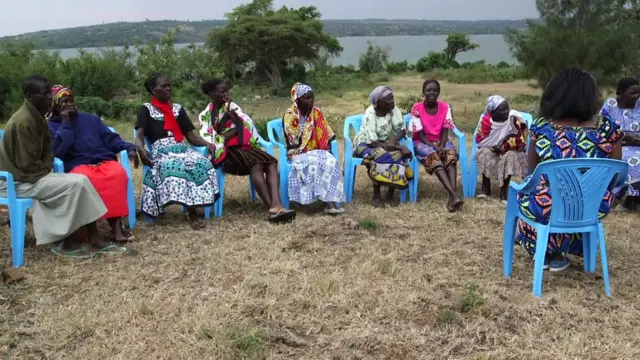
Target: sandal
[334,211]
[78,254]
[282,216]
[111,250]
[197,224]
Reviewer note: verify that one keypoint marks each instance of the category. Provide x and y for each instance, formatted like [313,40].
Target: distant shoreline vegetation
[132,33]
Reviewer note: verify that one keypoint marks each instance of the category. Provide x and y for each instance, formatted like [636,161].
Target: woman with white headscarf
[315,173]
[501,145]
[378,143]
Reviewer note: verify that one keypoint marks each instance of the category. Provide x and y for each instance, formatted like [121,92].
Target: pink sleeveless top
[431,124]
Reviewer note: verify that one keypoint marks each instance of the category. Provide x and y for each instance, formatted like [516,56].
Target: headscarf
[379,93]
[315,134]
[57,93]
[490,133]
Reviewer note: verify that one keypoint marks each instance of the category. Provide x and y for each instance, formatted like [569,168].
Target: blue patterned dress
[563,142]
[629,120]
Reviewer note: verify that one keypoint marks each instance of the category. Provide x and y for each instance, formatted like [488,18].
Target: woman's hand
[405,152]
[133,156]
[391,145]
[145,158]
[439,149]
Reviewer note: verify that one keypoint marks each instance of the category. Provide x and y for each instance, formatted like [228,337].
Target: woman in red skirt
[87,146]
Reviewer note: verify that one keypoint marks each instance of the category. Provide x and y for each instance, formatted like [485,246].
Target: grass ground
[413,282]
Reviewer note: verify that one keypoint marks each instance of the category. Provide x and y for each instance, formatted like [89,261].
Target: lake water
[493,49]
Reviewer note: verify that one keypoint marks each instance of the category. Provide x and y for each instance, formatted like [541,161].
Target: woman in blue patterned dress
[567,128]
[625,109]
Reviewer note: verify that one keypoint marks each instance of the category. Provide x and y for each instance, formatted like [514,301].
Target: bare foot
[376,201]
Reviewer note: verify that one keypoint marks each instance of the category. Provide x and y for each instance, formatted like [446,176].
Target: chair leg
[18,219]
[416,180]
[508,239]
[131,203]
[603,259]
[541,251]
[593,250]
[586,248]
[252,190]
[347,182]
[284,188]
[218,207]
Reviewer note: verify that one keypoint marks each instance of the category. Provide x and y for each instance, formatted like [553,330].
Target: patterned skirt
[240,161]
[537,206]
[316,175]
[386,168]
[498,167]
[431,160]
[179,175]
[631,154]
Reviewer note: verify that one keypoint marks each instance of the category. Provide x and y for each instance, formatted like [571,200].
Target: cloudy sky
[17,17]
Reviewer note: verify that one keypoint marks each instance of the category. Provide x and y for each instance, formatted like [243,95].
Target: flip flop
[482,196]
[334,211]
[111,250]
[282,216]
[78,254]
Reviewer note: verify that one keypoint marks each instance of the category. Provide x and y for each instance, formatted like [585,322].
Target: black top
[154,125]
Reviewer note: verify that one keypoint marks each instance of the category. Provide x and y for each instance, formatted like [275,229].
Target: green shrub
[114,109]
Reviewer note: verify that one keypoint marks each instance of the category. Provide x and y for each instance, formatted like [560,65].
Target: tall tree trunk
[273,73]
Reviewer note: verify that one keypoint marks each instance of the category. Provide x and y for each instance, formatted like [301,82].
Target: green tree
[434,60]
[374,59]
[268,40]
[456,44]
[601,36]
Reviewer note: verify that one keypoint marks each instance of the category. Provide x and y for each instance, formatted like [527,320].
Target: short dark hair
[429,81]
[624,84]
[32,83]
[210,85]
[570,94]
[151,81]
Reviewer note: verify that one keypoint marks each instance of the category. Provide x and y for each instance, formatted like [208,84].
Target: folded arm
[62,138]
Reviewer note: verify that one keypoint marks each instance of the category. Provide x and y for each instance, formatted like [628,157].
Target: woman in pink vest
[430,124]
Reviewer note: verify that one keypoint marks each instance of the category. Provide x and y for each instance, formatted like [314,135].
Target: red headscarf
[170,122]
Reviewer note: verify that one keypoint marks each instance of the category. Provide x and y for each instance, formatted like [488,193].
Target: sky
[21,16]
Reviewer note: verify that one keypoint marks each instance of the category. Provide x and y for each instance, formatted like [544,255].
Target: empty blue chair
[351,163]
[58,167]
[201,150]
[462,160]
[275,133]
[577,188]
[470,189]
[219,206]
[17,217]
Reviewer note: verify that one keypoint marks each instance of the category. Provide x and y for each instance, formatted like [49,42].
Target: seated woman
[178,174]
[88,147]
[567,110]
[501,145]
[378,143]
[315,172]
[237,151]
[430,123]
[625,109]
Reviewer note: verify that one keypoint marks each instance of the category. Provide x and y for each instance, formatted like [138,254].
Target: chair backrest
[407,119]
[1,133]
[353,121]
[274,127]
[577,188]
[147,144]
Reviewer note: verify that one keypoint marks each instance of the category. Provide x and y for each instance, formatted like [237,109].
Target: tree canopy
[270,41]
[457,43]
[600,36]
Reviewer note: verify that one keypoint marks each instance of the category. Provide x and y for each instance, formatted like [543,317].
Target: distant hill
[131,33]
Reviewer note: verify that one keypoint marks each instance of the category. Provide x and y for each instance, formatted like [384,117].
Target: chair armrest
[58,166]
[334,148]
[201,149]
[266,145]
[124,161]
[348,148]
[11,189]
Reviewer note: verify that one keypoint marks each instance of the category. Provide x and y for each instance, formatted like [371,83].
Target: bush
[398,67]
[114,109]
[435,60]
[374,59]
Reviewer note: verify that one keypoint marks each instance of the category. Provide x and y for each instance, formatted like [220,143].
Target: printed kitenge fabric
[432,126]
[316,175]
[629,120]
[566,142]
[386,168]
[313,134]
[234,158]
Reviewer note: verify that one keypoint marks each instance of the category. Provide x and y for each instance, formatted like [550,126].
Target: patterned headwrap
[58,92]
[315,134]
[493,102]
[379,93]
[299,90]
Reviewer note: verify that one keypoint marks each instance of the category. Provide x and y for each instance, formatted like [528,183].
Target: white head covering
[493,102]
[379,93]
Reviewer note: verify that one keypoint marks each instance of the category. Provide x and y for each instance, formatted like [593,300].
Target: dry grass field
[413,282]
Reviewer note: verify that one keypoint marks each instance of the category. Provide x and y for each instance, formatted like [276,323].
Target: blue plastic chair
[17,217]
[462,155]
[276,137]
[351,163]
[471,188]
[58,167]
[202,150]
[577,188]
